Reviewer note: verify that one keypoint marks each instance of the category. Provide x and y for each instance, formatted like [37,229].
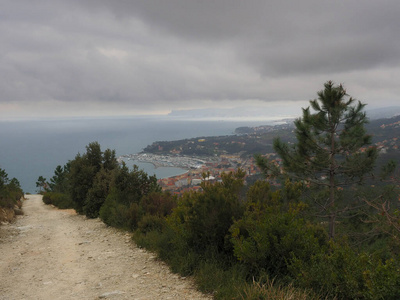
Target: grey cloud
[62,59]
[176,53]
[280,37]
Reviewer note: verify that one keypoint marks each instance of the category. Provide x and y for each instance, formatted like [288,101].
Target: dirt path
[56,254]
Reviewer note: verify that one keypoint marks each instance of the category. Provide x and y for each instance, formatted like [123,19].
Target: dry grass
[273,291]
[18,211]
[6,214]
[19,203]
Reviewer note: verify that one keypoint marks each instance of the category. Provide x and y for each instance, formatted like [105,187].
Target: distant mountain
[250,140]
[245,112]
[382,113]
[266,113]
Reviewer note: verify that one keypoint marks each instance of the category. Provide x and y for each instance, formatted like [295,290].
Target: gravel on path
[50,253]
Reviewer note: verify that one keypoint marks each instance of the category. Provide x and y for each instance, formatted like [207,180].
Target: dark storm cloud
[171,54]
[281,36]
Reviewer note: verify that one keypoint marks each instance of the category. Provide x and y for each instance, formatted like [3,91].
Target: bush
[343,273]
[270,242]
[47,199]
[158,203]
[60,200]
[223,282]
[383,279]
[203,218]
[10,191]
[151,223]
[113,213]
[132,215]
[337,272]
[272,233]
[171,248]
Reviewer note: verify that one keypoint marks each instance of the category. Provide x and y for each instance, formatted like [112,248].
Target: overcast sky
[125,57]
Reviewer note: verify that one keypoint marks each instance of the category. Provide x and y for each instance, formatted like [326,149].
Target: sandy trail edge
[56,254]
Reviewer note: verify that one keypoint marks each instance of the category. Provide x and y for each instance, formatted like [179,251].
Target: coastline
[160,170]
[158,161]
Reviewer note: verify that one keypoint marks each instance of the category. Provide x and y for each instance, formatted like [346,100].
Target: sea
[33,148]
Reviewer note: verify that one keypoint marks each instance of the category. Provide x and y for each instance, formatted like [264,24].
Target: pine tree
[41,183]
[333,150]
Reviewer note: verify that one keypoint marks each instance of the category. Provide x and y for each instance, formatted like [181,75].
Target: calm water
[29,149]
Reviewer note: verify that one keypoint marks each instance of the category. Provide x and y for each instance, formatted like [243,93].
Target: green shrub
[113,213]
[151,223]
[336,272]
[97,194]
[6,202]
[214,277]
[171,248]
[203,218]
[60,200]
[133,214]
[116,214]
[343,273]
[382,279]
[10,191]
[158,203]
[272,233]
[63,201]
[47,199]
[270,241]
[107,210]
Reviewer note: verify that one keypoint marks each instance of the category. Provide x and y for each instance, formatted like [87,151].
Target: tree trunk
[332,214]
[332,218]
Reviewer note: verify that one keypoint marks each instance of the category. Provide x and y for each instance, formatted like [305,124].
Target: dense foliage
[226,240]
[10,193]
[261,241]
[234,242]
[95,184]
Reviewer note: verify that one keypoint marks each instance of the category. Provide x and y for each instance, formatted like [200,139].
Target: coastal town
[207,158]
[199,168]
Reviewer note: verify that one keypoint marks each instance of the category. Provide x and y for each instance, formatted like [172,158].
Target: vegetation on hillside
[10,196]
[262,241]
[248,141]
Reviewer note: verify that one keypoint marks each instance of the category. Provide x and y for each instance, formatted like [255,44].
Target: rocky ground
[56,254]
